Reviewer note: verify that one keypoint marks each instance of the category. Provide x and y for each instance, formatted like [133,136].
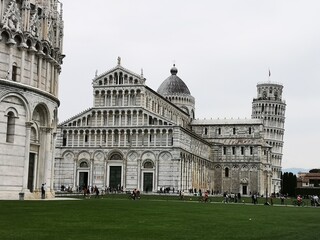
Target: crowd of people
[203,196]
[314,200]
[166,190]
[135,195]
[231,197]
[87,192]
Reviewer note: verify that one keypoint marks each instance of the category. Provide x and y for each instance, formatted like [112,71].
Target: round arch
[22,99]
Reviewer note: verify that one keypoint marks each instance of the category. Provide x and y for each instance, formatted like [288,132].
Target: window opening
[64,140]
[226,172]
[10,127]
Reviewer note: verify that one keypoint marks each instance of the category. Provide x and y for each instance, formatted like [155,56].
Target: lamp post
[266,203]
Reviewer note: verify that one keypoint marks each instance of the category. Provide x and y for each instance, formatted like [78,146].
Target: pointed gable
[78,118]
[118,76]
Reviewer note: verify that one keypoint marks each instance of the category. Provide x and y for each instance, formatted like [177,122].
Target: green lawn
[154,218]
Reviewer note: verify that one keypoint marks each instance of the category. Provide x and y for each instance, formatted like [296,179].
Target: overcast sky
[222,49]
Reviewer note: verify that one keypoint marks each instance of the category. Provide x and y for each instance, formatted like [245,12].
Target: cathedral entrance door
[244,190]
[31,171]
[83,180]
[115,177]
[147,182]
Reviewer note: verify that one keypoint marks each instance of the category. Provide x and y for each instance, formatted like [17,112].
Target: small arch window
[120,78]
[14,72]
[233,150]
[10,127]
[226,172]
[224,150]
[242,150]
[64,139]
[116,78]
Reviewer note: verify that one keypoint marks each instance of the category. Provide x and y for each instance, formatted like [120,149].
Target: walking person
[206,196]
[96,190]
[43,191]
[316,200]
[84,192]
[181,195]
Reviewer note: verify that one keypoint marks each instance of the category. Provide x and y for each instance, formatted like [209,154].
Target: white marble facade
[131,138]
[135,137]
[30,59]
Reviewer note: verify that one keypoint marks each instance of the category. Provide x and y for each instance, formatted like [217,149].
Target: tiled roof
[226,121]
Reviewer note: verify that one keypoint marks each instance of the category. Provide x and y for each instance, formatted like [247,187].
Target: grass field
[154,218]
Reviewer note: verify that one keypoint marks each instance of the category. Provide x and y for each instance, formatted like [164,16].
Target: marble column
[26,158]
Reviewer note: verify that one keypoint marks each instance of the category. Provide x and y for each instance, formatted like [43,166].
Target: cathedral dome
[173,85]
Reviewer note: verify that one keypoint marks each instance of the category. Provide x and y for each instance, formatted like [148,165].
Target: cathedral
[137,138]
[31,33]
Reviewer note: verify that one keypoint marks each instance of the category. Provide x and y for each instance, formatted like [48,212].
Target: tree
[315,170]
[289,183]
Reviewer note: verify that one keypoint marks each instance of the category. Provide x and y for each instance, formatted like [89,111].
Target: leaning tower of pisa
[31,33]
[270,107]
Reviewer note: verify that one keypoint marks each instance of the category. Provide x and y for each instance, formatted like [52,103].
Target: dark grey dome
[173,85]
